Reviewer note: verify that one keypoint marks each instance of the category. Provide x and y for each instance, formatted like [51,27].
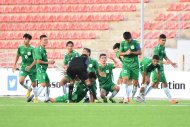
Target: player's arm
[31,65]
[16,60]
[144,77]
[43,62]
[116,64]
[38,57]
[65,63]
[168,61]
[138,50]
[158,77]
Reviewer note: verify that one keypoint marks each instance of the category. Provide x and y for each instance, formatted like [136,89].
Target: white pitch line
[73,105]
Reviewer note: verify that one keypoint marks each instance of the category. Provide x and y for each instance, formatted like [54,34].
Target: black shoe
[86,100]
[29,99]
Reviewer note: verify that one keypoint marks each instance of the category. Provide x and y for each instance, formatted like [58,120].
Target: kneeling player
[106,83]
[79,92]
[146,67]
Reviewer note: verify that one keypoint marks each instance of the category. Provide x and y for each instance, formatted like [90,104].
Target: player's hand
[65,67]
[51,62]
[174,65]
[13,69]
[28,68]
[111,56]
[128,52]
[102,74]
[166,62]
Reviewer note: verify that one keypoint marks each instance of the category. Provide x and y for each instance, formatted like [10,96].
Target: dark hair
[116,45]
[156,57]
[162,36]
[28,36]
[103,54]
[84,55]
[43,36]
[127,35]
[69,42]
[88,50]
[92,75]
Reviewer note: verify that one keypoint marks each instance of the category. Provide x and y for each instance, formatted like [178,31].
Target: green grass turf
[15,112]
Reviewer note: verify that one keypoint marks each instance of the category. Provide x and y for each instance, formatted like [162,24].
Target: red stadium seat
[3,27]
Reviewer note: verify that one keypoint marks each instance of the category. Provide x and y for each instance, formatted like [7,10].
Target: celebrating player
[67,58]
[130,49]
[106,83]
[41,66]
[147,66]
[160,51]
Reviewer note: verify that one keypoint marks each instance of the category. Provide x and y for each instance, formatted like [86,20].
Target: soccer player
[28,64]
[41,66]
[130,49]
[67,58]
[92,67]
[160,51]
[79,92]
[147,66]
[116,51]
[106,83]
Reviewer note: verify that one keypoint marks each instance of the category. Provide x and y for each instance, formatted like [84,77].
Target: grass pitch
[15,112]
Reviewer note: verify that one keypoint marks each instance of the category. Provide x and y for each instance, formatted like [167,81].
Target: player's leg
[72,74]
[154,83]
[63,83]
[127,83]
[103,94]
[114,89]
[22,76]
[44,81]
[165,88]
[141,96]
[60,99]
[135,78]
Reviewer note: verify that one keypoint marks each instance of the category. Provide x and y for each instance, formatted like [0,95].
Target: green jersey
[160,51]
[69,56]
[79,91]
[92,65]
[41,54]
[129,60]
[27,55]
[144,63]
[107,69]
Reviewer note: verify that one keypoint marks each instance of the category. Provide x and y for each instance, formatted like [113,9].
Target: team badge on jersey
[29,53]
[90,65]
[107,71]
[132,47]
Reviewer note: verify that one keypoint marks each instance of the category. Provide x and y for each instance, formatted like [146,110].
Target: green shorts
[108,88]
[162,76]
[31,74]
[131,72]
[42,77]
[63,98]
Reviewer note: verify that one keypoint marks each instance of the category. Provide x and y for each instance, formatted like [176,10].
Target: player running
[160,51]
[67,58]
[106,83]
[147,66]
[130,49]
[41,66]
[28,64]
